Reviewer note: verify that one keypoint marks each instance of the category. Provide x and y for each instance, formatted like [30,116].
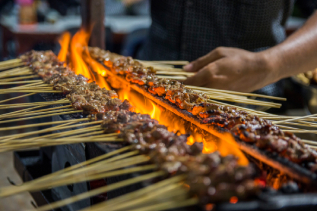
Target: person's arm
[240,70]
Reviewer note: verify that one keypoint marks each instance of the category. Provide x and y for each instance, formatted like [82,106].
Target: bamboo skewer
[40,116]
[250,102]
[65,133]
[309,142]
[292,119]
[35,113]
[152,197]
[58,127]
[167,62]
[20,111]
[54,142]
[21,105]
[23,113]
[174,73]
[13,98]
[5,139]
[17,78]
[136,194]
[9,65]
[77,166]
[30,90]
[173,77]
[236,93]
[20,82]
[57,135]
[101,190]
[42,124]
[93,134]
[11,61]
[50,182]
[16,72]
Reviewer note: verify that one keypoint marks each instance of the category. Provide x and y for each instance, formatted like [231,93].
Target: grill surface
[63,156]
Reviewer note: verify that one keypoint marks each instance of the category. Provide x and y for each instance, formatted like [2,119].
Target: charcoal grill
[33,164]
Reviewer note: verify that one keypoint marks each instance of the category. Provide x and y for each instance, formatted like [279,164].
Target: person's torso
[188,29]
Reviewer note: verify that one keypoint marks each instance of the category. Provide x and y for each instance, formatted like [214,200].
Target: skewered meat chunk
[165,148]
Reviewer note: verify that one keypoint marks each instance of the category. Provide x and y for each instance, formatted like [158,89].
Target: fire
[223,142]
[83,64]
[77,46]
[64,42]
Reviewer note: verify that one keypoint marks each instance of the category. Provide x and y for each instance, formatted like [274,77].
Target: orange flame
[64,42]
[223,142]
[77,46]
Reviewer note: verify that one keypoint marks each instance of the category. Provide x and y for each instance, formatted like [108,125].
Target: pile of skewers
[211,177]
[175,161]
[247,127]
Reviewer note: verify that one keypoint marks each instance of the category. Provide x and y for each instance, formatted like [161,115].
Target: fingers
[201,78]
[201,62]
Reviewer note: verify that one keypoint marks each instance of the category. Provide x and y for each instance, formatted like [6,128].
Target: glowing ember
[209,207]
[233,200]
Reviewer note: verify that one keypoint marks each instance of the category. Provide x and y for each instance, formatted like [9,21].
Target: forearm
[298,53]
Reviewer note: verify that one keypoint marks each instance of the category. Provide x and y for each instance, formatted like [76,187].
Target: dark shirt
[189,29]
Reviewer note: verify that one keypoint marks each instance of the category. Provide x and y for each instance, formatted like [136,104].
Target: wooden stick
[152,197]
[21,105]
[32,85]
[173,77]
[100,190]
[40,116]
[35,113]
[65,133]
[89,134]
[42,124]
[309,142]
[292,119]
[11,61]
[169,69]
[17,78]
[240,108]
[30,90]
[8,66]
[21,111]
[20,82]
[236,93]
[50,182]
[174,73]
[14,71]
[54,142]
[136,194]
[168,62]
[58,127]
[29,113]
[13,98]
[301,131]
[250,102]
[79,165]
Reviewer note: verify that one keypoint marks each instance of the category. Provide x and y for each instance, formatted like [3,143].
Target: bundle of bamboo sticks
[165,194]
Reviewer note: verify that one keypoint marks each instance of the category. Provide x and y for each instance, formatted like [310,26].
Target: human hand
[232,69]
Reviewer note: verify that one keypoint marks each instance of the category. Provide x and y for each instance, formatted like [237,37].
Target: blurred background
[37,24]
